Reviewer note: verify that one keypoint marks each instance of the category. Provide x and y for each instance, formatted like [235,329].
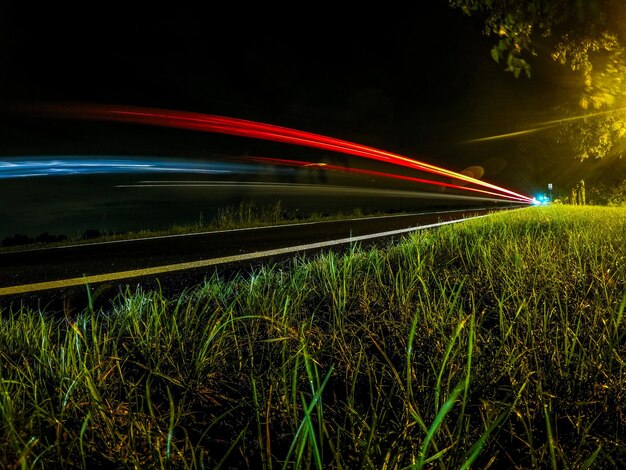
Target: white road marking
[85,280]
[263,227]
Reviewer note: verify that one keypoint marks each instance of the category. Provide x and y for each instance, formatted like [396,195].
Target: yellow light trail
[508,135]
[542,126]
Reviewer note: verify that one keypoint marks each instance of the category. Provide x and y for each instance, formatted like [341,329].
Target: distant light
[541,199]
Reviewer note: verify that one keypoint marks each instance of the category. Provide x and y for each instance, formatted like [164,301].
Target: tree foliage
[596,135]
[588,36]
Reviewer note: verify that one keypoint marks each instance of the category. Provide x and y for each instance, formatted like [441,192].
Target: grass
[495,343]
[246,214]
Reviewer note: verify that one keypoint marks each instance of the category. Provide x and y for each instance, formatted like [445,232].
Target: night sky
[417,79]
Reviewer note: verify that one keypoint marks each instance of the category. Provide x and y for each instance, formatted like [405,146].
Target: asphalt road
[56,273]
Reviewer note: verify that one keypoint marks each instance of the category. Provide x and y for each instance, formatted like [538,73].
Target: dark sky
[415,79]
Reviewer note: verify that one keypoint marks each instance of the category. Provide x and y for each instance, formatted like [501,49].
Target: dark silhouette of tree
[90,234]
[18,239]
[21,239]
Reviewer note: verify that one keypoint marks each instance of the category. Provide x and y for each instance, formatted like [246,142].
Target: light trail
[583,116]
[306,189]
[24,167]
[359,171]
[250,129]
[509,135]
[542,126]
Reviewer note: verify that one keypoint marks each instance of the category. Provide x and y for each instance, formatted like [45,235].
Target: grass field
[498,342]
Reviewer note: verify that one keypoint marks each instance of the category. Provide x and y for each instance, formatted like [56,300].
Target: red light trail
[359,171]
[251,129]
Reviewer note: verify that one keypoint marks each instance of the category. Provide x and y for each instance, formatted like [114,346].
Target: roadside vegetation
[499,342]
[246,214]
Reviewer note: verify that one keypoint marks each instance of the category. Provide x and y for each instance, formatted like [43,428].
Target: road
[174,261]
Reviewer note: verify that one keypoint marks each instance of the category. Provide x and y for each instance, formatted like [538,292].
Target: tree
[586,35]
